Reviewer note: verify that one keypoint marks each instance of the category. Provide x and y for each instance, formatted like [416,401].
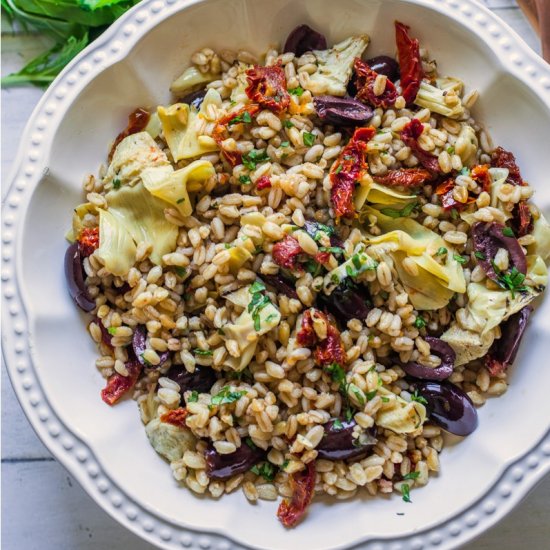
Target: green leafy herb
[284,464]
[404,213]
[257,303]
[309,139]
[454,213]
[411,475]
[371,395]
[245,180]
[359,395]
[405,492]
[332,249]
[226,396]
[465,171]
[193,397]
[507,232]
[116,183]
[285,144]
[451,150]
[511,280]
[339,169]
[179,201]
[265,469]
[441,251]
[203,352]
[419,322]
[460,259]
[254,157]
[145,362]
[250,443]
[180,271]
[418,398]
[385,399]
[221,332]
[337,424]
[311,266]
[479,255]
[243,117]
[298,91]
[111,331]
[288,123]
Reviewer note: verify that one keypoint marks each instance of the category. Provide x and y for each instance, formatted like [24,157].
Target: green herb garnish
[507,232]
[511,280]
[441,251]
[111,331]
[116,183]
[298,91]
[226,396]
[257,303]
[419,322]
[245,180]
[418,398]
[405,492]
[332,249]
[460,259]
[180,271]
[411,475]
[145,362]
[371,395]
[265,469]
[203,352]
[451,150]
[309,139]
[288,123]
[254,157]
[244,117]
[250,443]
[285,144]
[179,201]
[337,424]
[479,255]
[193,397]
[404,213]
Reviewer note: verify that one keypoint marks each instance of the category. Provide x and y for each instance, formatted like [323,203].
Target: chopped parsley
[111,331]
[226,396]
[339,169]
[180,271]
[245,180]
[404,213]
[288,123]
[309,139]
[338,375]
[179,201]
[337,424]
[454,213]
[116,183]
[465,171]
[441,251]
[285,144]
[254,157]
[460,259]
[479,255]
[511,280]
[451,150]
[145,362]
[411,475]
[284,464]
[507,232]
[418,398]
[203,352]
[405,492]
[298,91]
[244,117]
[250,443]
[385,399]
[419,322]
[193,397]
[371,395]
[332,249]
[311,266]
[265,469]
[257,303]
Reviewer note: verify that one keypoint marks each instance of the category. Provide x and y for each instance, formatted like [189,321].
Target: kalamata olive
[220,466]
[344,439]
[444,351]
[504,350]
[280,284]
[74,274]
[386,65]
[194,99]
[304,39]
[449,407]
[105,336]
[200,380]
[139,345]
[342,111]
[488,238]
[346,302]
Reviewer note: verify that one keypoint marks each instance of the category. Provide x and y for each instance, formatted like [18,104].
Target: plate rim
[113,45]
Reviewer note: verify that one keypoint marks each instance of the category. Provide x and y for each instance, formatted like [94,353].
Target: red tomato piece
[501,158]
[285,252]
[331,349]
[175,417]
[410,134]
[481,175]
[303,488]
[118,385]
[407,177]
[137,122]
[306,335]
[263,183]
[523,219]
[445,192]
[364,82]
[88,240]
[267,86]
[410,64]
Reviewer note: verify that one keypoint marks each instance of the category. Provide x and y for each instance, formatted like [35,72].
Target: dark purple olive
[342,442]
[280,284]
[504,350]
[105,336]
[346,302]
[194,99]
[304,39]
[200,380]
[342,111]
[444,352]
[487,239]
[384,64]
[449,407]
[74,274]
[139,345]
[220,466]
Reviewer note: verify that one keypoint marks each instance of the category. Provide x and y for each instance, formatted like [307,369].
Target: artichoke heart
[375,193]
[169,441]
[190,79]
[398,415]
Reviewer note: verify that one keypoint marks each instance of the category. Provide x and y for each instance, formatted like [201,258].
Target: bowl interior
[64,355]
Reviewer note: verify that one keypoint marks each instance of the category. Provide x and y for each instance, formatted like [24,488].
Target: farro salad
[307,269]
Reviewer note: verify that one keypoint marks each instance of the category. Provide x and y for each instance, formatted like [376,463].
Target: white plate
[50,358]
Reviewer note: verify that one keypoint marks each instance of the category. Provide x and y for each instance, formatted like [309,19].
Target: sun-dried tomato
[263,183]
[364,82]
[285,252]
[501,158]
[445,192]
[118,385]
[407,177]
[306,335]
[267,86]
[322,257]
[221,133]
[348,169]
[410,64]
[88,240]
[175,417]
[303,486]
[137,122]
[409,135]
[481,175]
[494,366]
[522,222]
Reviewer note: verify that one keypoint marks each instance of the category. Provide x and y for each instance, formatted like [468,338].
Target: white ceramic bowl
[50,357]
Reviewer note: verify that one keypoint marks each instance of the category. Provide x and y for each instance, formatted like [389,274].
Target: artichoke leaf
[80,213]
[467,344]
[239,363]
[541,232]
[375,193]
[117,249]
[191,79]
[169,441]
[398,415]
[142,215]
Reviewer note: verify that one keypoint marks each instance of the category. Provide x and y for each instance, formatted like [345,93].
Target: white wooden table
[44,508]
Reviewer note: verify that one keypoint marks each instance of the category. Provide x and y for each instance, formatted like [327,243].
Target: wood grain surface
[43,508]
